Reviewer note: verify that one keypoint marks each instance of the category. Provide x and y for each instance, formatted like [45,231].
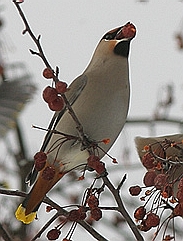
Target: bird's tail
[26,212]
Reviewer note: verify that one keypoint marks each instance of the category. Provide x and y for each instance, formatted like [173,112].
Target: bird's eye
[111,34]
[108,36]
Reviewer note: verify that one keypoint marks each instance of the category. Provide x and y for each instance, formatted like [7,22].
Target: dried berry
[92,161]
[135,190]
[139,213]
[48,173]
[49,208]
[73,215]
[82,213]
[149,178]
[143,227]
[40,160]
[61,87]
[152,220]
[93,201]
[148,160]
[57,104]
[95,163]
[100,168]
[160,181]
[49,94]
[96,213]
[53,234]
[48,73]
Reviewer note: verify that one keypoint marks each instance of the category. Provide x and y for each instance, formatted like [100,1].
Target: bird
[167,150]
[99,97]
[157,142]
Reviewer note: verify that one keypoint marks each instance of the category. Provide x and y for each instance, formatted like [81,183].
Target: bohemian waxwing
[167,151]
[100,100]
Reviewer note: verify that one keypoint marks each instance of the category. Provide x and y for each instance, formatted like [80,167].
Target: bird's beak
[126,32]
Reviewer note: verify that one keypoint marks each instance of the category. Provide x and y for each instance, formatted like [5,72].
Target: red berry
[149,178]
[93,201]
[82,213]
[96,213]
[95,163]
[92,161]
[48,173]
[49,94]
[61,87]
[135,190]
[48,73]
[40,160]
[143,227]
[160,181]
[100,168]
[128,31]
[73,215]
[53,234]
[152,220]
[57,104]
[139,213]
[148,160]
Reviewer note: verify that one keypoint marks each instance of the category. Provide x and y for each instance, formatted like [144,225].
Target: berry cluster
[90,203]
[164,181]
[53,95]
[48,172]
[95,211]
[95,163]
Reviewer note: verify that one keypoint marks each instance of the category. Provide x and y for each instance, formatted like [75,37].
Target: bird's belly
[100,118]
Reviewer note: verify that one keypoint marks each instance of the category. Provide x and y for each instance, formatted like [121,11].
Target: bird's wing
[72,94]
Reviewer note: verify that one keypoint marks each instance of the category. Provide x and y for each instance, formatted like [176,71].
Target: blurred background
[69,33]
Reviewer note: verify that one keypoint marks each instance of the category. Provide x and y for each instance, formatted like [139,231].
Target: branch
[43,57]
[121,208]
[36,40]
[60,212]
[115,192]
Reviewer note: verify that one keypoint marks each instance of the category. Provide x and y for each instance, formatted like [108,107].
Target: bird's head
[118,40]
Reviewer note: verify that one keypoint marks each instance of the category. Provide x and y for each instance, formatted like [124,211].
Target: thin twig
[55,76]
[114,191]
[122,209]
[60,211]
[38,235]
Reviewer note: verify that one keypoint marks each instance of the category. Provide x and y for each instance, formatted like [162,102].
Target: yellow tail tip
[20,215]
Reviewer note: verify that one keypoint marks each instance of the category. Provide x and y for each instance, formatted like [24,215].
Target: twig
[36,40]
[122,209]
[114,191]
[60,211]
[121,183]
[4,234]
[86,226]
[38,235]
[55,77]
